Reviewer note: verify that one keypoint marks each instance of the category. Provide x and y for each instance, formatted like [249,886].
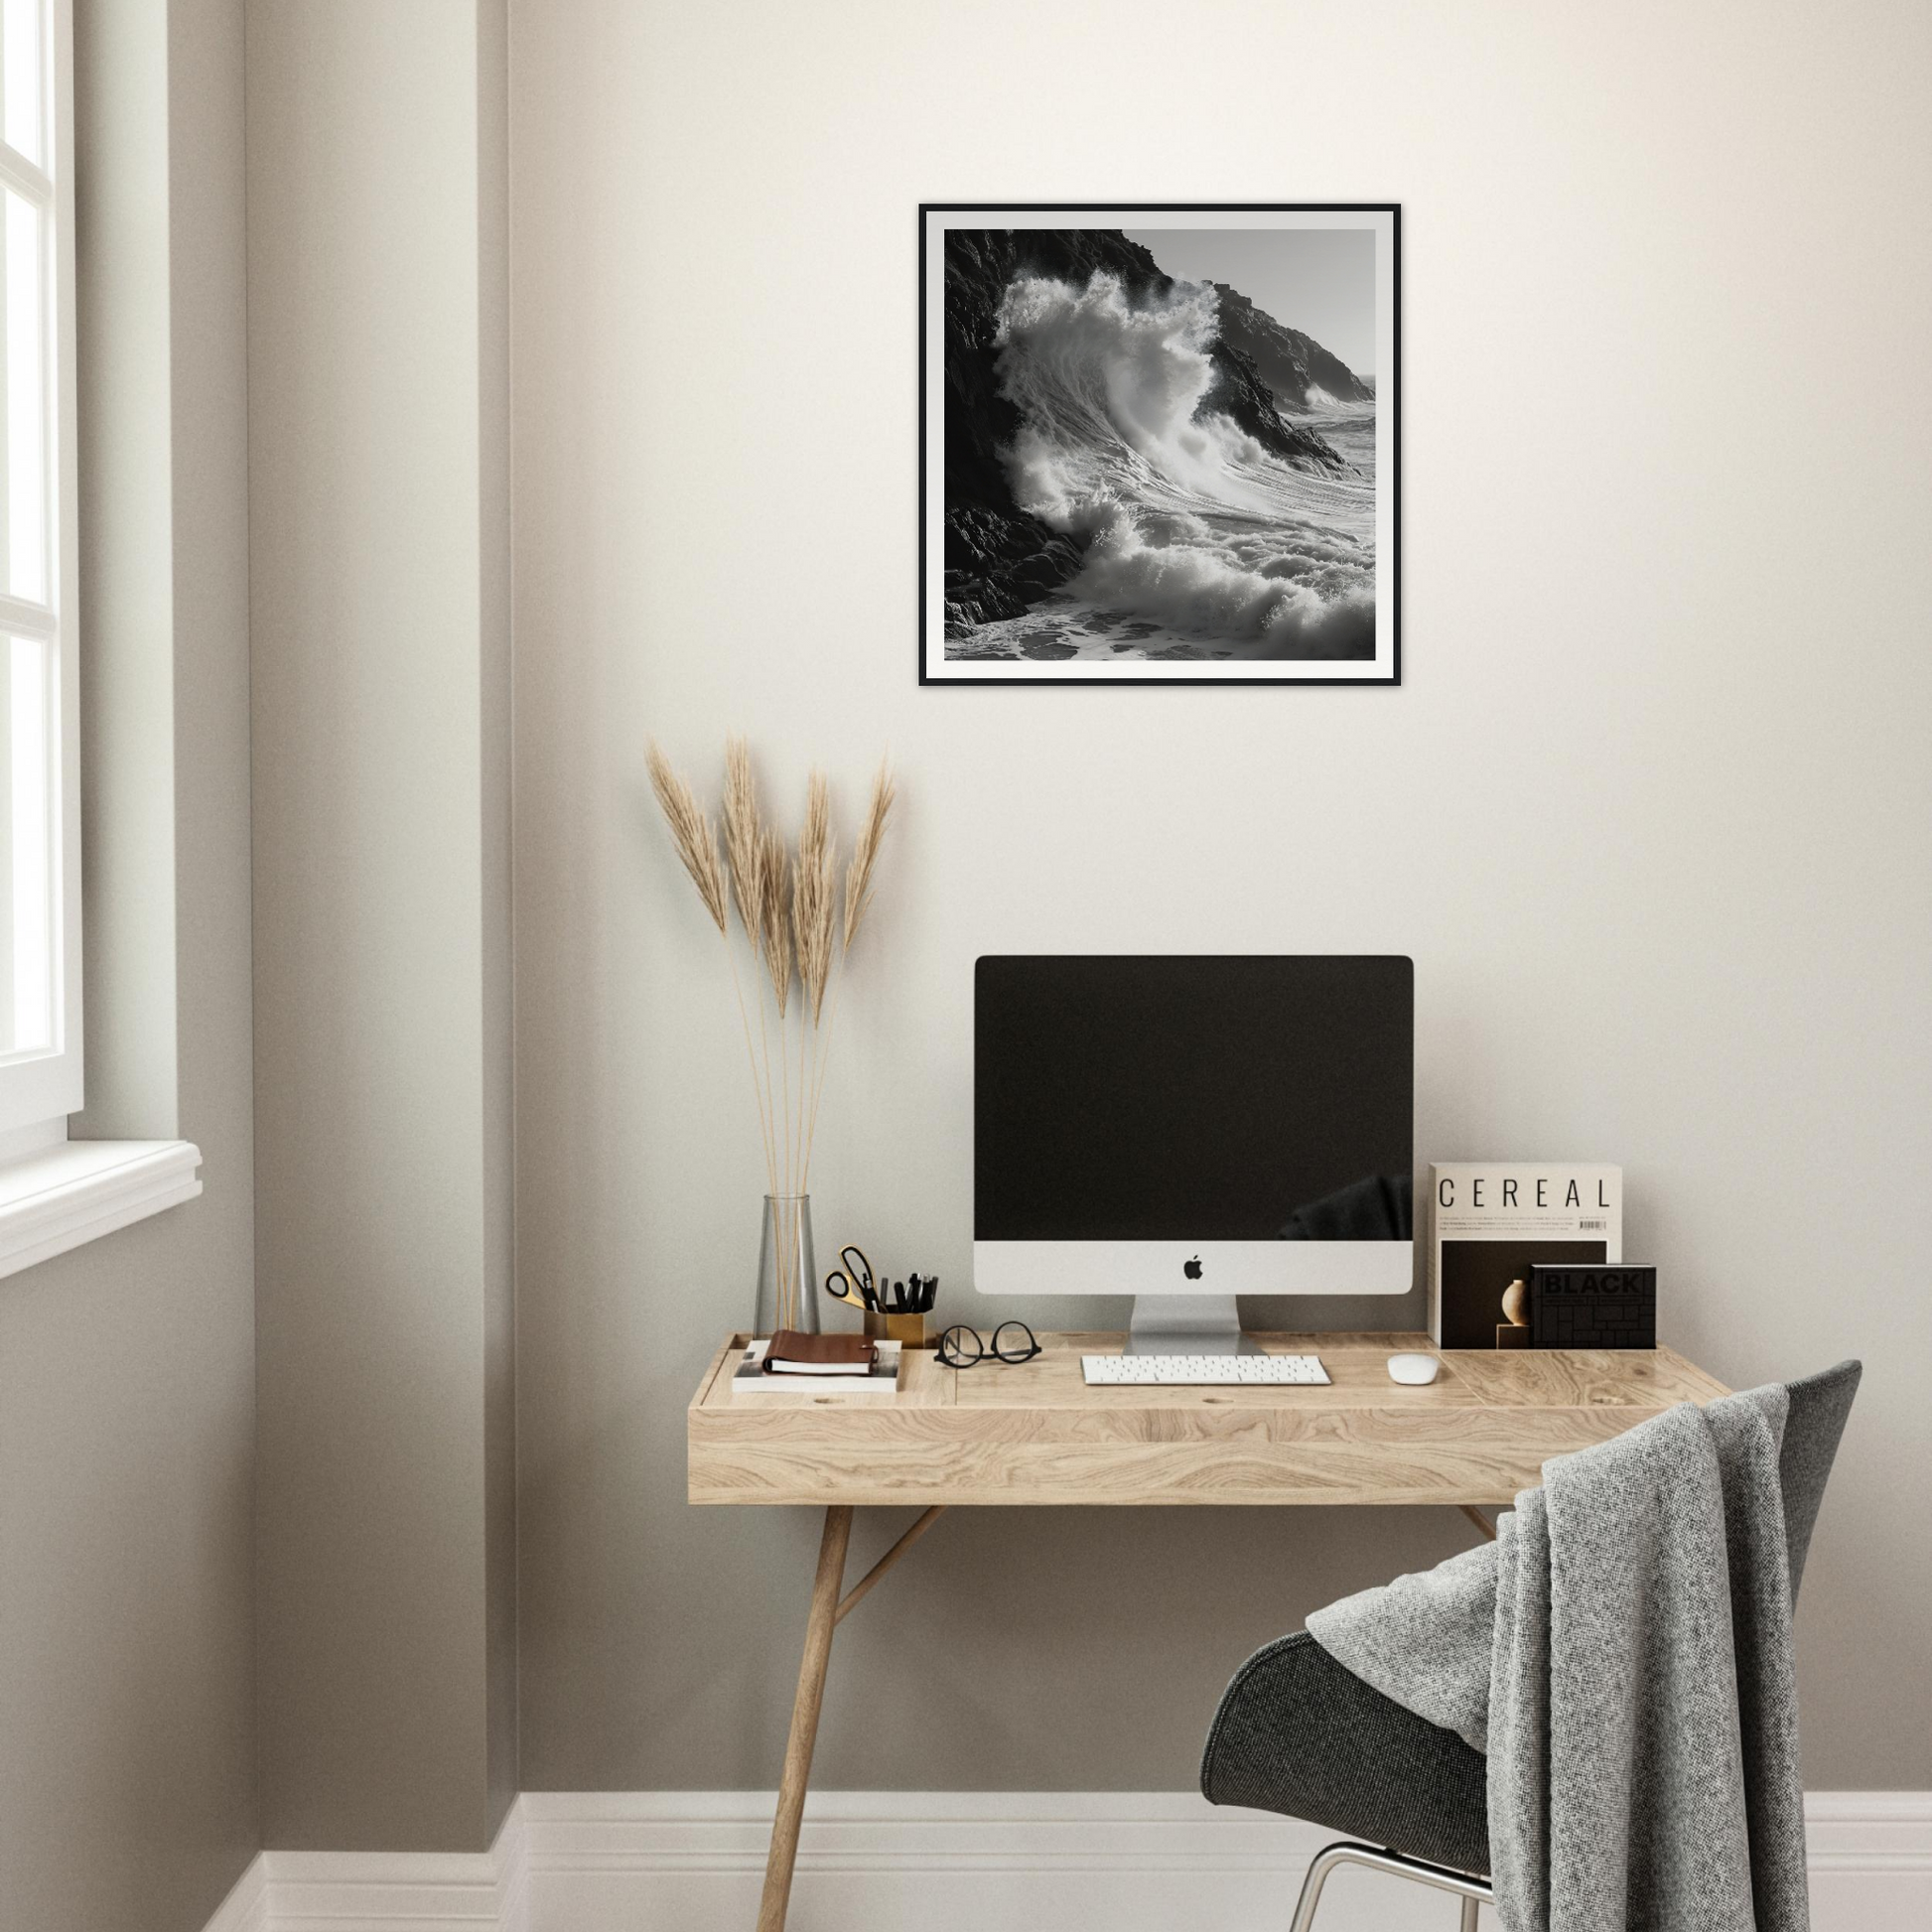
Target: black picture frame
[1233,663]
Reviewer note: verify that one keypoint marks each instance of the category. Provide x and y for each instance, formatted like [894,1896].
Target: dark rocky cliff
[1287,361]
[1000,560]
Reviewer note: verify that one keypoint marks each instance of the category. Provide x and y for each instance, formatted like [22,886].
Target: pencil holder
[907,1328]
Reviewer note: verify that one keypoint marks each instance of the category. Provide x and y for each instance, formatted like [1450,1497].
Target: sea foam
[1189,523]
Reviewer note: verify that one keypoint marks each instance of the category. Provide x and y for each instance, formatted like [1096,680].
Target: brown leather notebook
[793,1354]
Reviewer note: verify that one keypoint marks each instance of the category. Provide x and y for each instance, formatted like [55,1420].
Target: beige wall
[127,1777]
[378,507]
[1651,810]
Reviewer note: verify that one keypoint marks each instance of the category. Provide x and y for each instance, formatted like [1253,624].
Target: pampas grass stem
[865,853]
[691,832]
[857,899]
[788,912]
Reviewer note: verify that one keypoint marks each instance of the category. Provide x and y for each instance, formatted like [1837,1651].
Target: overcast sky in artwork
[1321,281]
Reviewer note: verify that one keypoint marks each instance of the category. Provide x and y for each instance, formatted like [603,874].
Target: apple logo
[1192,1269]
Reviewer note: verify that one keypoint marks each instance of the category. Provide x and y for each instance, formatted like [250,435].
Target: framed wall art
[1159,443]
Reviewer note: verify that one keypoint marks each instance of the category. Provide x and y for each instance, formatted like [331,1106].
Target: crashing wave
[1187,522]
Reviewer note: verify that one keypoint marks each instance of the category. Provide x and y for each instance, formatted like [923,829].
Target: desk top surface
[1035,1433]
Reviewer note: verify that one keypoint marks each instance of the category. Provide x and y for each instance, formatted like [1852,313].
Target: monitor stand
[1186,1324]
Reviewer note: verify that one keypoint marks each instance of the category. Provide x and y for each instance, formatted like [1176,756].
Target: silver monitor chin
[1183,1296]
[1184,1128]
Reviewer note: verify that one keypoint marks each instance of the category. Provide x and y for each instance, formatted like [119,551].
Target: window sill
[78,1190]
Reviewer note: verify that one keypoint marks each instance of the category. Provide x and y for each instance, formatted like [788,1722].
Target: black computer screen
[1218,1098]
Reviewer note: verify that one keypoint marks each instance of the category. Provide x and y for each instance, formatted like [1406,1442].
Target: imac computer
[1185,1130]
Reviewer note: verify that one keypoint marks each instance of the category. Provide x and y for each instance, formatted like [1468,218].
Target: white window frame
[38,1089]
[55,1193]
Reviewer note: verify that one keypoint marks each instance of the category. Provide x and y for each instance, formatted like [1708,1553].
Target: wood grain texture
[820,1621]
[1035,1433]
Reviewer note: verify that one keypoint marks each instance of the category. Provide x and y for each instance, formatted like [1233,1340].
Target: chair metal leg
[1324,1862]
[1472,1892]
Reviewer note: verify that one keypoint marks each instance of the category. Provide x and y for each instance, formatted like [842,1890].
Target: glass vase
[788,1270]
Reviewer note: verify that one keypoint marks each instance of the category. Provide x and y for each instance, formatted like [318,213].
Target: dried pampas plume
[744,842]
[814,895]
[865,853]
[788,907]
[775,921]
[691,832]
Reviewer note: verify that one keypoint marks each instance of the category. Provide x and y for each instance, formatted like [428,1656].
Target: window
[39,845]
[55,1193]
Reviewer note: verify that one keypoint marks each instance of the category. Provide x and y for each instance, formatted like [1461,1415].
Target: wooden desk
[1032,1434]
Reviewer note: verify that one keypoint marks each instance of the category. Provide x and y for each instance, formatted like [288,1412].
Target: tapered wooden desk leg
[804,1719]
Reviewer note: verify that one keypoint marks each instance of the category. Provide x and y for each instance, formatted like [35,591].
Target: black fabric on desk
[1376,1209]
[1299,1733]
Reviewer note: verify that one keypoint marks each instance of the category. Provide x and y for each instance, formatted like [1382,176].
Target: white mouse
[1415,1369]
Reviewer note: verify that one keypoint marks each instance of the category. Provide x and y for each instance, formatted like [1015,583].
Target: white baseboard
[245,1910]
[384,1891]
[954,1862]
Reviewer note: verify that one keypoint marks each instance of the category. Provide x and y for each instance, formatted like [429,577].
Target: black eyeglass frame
[951,1358]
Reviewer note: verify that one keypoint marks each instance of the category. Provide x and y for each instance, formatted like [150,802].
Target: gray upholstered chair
[1299,1733]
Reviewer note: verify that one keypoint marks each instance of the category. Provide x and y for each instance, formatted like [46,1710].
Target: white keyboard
[1201,1371]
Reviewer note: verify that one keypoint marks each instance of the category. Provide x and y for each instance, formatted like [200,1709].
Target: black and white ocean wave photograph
[1158,450]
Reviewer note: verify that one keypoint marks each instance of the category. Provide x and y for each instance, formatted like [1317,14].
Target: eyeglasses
[1013,1341]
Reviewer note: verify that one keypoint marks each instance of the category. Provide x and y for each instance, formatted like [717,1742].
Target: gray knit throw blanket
[1622,1652]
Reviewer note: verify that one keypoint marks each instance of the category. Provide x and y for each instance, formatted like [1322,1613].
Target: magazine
[1489,1221]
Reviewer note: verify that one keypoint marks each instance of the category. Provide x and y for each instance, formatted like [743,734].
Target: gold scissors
[852,1282]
